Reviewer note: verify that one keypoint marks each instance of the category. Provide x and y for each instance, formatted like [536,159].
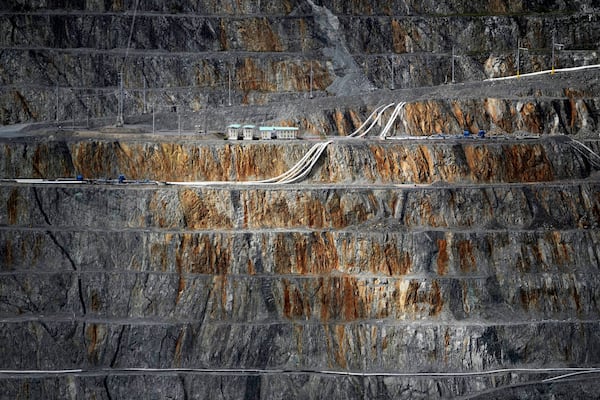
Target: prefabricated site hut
[278,132]
[266,132]
[234,131]
[248,132]
[286,132]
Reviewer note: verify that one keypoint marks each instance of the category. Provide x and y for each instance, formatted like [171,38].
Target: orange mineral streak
[268,209]
[337,298]
[160,256]
[94,335]
[511,163]
[12,206]
[528,164]
[499,113]
[91,333]
[427,213]
[482,162]
[295,301]
[561,252]
[387,259]
[205,210]
[442,258]
[314,254]
[573,97]
[466,256]
[223,40]
[251,77]
[447,347]
[414,297]
[6,255]
[178,347]
[204,254]
[547,294]
[400,37]
[341,352]
[383,163]
[422,165]
[258,35]
[532,118]
[425,118]
[164,161]
[96,302]
[347,298]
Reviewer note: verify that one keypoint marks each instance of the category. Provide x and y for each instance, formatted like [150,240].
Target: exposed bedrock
[409,268]
[377,162]
[397,256]
[186,54]
[510,206]
[361,280]
[495,276]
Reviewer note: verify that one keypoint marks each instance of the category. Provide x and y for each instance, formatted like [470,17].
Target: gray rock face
[183,53]
[399,269]
[350,285]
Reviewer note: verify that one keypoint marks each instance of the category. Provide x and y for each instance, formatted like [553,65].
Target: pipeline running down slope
[299,171]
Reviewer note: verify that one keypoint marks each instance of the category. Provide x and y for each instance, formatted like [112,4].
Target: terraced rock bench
[417,269]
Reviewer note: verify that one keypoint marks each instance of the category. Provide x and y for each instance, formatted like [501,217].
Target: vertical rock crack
[62,249]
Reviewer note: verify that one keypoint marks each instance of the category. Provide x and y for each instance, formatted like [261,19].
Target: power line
[120,119]
[566,371]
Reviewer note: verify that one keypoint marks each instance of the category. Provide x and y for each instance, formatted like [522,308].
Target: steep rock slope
[61,60]
[390,288]
[433,268]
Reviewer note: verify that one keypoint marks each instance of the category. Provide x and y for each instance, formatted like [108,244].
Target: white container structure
[286,132]
[266,132]
[233,131]
[248,132]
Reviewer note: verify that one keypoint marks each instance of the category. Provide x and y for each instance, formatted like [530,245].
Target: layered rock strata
[409,261]
[62,61]
[450,160]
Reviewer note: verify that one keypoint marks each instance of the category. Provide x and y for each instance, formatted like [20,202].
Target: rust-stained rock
[409,162]
[432,268]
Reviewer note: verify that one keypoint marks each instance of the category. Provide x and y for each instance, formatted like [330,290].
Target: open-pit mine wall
[61,60]
[423,269]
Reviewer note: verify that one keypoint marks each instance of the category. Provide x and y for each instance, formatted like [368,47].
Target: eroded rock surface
[419,256]
[61,60]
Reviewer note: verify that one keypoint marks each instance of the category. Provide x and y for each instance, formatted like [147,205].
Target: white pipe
[391,120]
[295,168]
[309,168]
[376,120]
[115,371]
[367,120]
[548,71]
[298,171]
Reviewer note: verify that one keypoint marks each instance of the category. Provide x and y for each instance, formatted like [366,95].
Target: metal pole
[205,123]
[453,64]
[392,65]
[144,98]
[229,91]
[518,57]
[519,48]
[57,101]
[120,103]
[311,79]
[153,118]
